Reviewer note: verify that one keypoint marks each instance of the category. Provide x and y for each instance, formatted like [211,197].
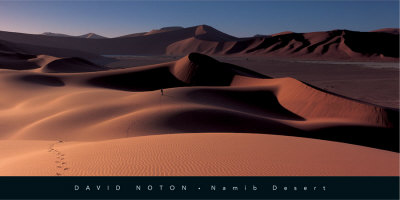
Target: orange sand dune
[111,101]
[333,45]
[282,33]
[388,30]
[98,114]
[202,154]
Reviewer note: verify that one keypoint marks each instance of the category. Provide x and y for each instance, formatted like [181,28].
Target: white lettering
[254,188]
[172,187]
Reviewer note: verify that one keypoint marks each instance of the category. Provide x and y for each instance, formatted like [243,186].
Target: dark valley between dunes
[199,102]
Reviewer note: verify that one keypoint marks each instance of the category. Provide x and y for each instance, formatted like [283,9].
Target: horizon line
[255,34]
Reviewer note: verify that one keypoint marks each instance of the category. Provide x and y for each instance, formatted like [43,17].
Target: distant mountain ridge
[87,35]
[56,34]
[92,36]
[381,44]
[155,31]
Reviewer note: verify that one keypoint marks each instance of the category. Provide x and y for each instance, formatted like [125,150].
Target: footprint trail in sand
[61,164]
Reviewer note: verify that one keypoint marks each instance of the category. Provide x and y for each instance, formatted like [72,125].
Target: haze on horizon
[238,18]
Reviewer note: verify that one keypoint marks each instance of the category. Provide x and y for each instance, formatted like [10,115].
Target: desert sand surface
[193,116]
[196,154]
[372,82]
[144,104]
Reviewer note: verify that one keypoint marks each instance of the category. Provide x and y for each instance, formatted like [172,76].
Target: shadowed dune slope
[16,61]
[336,44]
[71,65]
[12,58]
[200,94]
[192,70]
[21,48]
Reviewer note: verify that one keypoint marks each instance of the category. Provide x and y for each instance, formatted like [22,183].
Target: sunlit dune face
[196,116]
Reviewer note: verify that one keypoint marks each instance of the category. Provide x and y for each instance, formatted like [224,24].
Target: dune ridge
[388,30]
[199,91]
[197,116]
[336,44]
[87,35]
[37,50]
[379,45]
[12,59]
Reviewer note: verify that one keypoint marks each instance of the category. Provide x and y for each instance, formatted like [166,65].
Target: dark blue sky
[238,18]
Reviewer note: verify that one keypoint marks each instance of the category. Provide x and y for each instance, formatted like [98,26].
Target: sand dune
[334,45]
[71,65]
[16,61]
[282,33]
[388,30]
[379,45]
[45,63]
[33,50]
[202,154]
[277,106]
[299,129]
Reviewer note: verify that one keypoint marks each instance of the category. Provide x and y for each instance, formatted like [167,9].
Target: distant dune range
[337,44]
[88,35]
[70,115]
[388,30]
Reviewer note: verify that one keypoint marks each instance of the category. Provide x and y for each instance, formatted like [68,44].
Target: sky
[238,18]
